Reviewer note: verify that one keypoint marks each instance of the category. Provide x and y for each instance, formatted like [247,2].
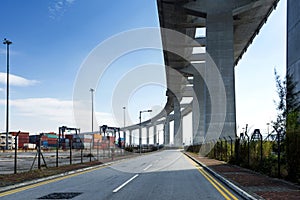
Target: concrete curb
[19,185]
[232,186]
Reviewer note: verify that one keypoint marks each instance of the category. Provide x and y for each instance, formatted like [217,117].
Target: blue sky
[52,38]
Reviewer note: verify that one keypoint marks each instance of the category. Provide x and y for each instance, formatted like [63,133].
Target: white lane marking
[147,167]
[124,184]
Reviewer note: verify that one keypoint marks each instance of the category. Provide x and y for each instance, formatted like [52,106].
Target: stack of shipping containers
[3,141]
[23,138]
[97,141]
[87,140]
[48,140]
[51,139]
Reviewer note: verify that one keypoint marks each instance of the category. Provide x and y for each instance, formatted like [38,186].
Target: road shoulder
[247,183]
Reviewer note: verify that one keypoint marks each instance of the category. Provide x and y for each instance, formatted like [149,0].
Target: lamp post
[92,96]
[124,118]
[124,108]
[140,131]
[7,42]
[268,127]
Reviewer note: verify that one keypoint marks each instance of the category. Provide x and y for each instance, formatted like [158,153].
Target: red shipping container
[69,136]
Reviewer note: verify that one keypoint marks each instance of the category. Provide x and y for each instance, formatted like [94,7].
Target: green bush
[293,155]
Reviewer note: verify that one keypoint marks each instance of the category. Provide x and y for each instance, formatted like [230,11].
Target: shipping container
[97,136]
[87,145]
[29,146]
[51,136]
[44,143]
[33,139]
[85,136]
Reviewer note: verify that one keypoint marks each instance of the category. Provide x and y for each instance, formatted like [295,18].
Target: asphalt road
[162,175]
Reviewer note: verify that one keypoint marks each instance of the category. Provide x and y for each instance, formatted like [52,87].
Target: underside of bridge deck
[205,63]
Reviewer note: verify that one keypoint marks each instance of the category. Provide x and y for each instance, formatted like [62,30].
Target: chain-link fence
[277,157]
[65,152]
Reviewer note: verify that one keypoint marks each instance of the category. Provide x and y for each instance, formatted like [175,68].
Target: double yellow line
[13,191]
[217,185]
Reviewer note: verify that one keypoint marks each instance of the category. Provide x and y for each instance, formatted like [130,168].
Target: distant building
[11,141]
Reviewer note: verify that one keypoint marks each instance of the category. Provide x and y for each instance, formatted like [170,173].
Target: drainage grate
[64,195]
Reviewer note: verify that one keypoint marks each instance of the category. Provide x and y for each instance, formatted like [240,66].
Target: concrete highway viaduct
[200,67]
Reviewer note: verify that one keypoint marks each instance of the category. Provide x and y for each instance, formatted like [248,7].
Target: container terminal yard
[68,146]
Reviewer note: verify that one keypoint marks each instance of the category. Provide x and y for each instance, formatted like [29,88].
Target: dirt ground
[11,179]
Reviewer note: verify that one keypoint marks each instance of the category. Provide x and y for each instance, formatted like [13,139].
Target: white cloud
[40,114]
[105,118]
[16,80]
[47,114]
[59,7]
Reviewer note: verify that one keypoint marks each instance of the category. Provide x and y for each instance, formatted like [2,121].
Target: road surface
[162,175]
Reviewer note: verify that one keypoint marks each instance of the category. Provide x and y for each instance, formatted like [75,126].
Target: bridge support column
[147,135]
[177,123]
[199,109]
[167,131]
[219,45]
[124,137]
[130,137]
[154,135]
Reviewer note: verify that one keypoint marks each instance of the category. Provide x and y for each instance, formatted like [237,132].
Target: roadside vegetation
[277,156]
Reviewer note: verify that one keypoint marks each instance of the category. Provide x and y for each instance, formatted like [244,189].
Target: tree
[280,124]
[287,122]
[288,105]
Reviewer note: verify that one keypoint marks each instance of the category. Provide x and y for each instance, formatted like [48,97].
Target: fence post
[248,150]
[98,150]
[57,147]
[81,154]
[231,150]
[16,150]
[225,148]
[278,154]
[103,147]
[237,151]
[261,150]
[90,151]
[215,146]
[39,152]
[70,144]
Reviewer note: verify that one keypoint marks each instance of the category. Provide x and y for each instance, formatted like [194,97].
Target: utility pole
[124,118]
[92,95]
[7,42]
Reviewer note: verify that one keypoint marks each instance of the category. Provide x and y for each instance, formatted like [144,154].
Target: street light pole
[124,132]
[7,42]
[140,131]
[124,108]
[92,96]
